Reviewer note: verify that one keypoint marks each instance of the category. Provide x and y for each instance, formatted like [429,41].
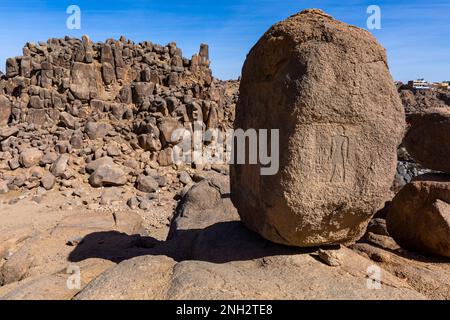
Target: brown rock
[108,73]
[12,67]
[149,143]
[48,181]
[67,120]
[85,80]
[167,127]
[165,157]
[36,102]
[97,130]
[108,176]
[147,184]
[327,87]
[30,157]
[427,139]
[60,166]
[142,90]
[5,110]
[37,117]
[94,165]
[419,218]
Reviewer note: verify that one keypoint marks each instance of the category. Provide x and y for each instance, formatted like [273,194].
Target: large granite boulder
[326,86]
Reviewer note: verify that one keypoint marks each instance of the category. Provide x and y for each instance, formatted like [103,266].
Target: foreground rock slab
[33,264]
[222,259]
[326,86]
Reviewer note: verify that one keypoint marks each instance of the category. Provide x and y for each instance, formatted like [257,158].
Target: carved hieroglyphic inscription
[334,146]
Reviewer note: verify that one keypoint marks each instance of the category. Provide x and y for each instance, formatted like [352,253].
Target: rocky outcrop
[327,87]
[419,218]
[427,139]
[5,111]
[419,101]
[29,254]
[67,103]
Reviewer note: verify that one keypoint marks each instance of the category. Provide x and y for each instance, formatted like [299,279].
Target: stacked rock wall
[117,99]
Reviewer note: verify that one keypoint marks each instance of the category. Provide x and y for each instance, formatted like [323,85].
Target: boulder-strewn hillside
[67,103]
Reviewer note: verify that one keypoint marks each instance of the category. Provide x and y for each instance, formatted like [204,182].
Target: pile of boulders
[103,113]
[416,102]
[419,218]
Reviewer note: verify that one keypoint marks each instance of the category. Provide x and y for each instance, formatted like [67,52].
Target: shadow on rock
[112,245]
[220,243]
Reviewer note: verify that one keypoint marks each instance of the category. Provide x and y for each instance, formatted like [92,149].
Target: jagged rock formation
[69,102]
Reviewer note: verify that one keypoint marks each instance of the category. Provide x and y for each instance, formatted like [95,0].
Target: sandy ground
[42,212]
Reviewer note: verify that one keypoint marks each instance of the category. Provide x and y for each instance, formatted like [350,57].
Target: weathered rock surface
[31,254]
[108,175]
[30,157]
[147,184]
[419,218]
[55,286]
[78,102]
[5,110]
[327,87]
[210,254]
[224,260]
[429,276]
[420,101]
[427,139]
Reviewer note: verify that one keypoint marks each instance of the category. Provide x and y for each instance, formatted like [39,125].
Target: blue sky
[415,33]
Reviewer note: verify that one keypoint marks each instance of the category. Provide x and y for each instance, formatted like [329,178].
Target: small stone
[185,178]
[3,187]
[30,157]
[146,184]
[67,120]
[60,166]
[48,181]
[75,241]
[5,110]
[165,157]
[48,158]
[145,204]
[332,258]
[14,163]
[110,195]
[108,175]
[94,165]
[113,151]
[133,203]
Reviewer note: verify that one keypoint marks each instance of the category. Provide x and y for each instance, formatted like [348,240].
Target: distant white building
[419,84]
